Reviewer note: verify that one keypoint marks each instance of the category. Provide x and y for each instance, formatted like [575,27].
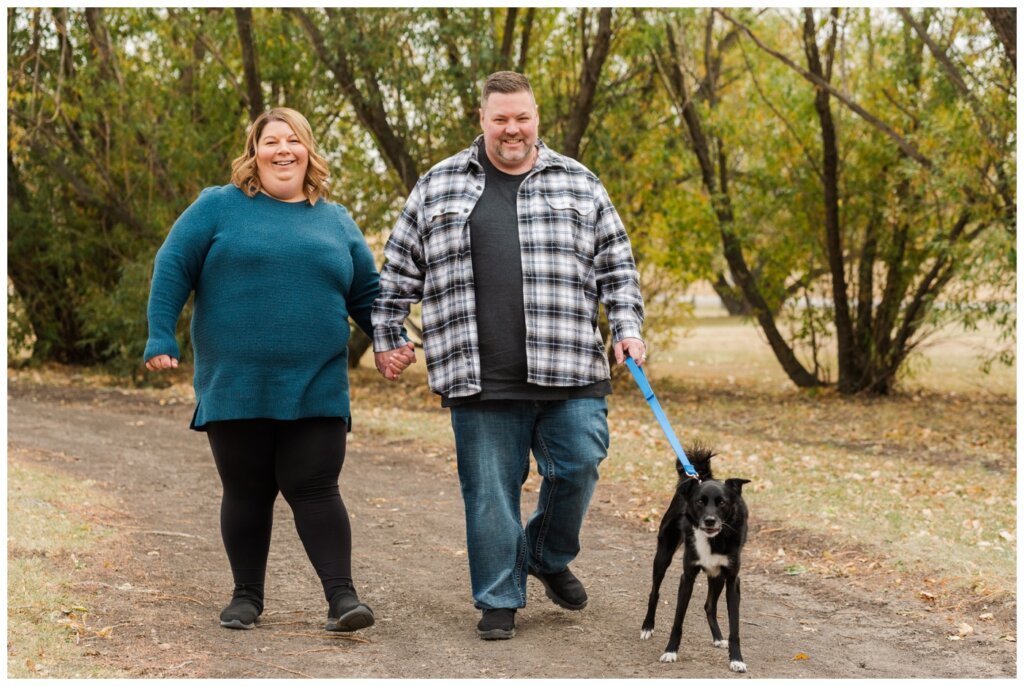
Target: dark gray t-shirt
[500,314]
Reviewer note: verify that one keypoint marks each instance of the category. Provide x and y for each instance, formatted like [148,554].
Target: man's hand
[391,363]
[161,362]
[633,347]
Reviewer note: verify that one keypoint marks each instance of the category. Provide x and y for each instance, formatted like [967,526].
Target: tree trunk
[721,203]
[524,41]
[830,181]
[505,61]
[590,74]
[250,62]
[731,297]
[1004,21]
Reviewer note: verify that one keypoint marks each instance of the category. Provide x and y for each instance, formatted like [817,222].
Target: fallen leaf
[793,570]
[801,656]
[965,629]
[986,616]
[926,596]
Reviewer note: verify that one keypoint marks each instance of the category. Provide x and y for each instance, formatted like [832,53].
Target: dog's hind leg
[732,600]
[668,542]
[715,585]
[686,580]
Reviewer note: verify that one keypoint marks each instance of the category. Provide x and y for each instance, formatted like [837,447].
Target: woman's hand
[161,362]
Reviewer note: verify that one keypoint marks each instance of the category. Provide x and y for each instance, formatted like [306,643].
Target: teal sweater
[274,285]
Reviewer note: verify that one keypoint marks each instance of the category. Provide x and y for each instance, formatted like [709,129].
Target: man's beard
[508,156]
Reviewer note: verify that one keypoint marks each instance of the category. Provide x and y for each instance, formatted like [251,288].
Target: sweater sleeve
[365,279]
[176,272]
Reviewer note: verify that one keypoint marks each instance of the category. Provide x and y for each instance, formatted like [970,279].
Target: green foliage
[117,118]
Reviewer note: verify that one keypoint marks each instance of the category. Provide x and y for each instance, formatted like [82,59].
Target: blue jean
[493,439]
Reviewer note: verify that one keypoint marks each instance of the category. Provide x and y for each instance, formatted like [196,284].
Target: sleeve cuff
[626,330]
[155,348]
[385,339]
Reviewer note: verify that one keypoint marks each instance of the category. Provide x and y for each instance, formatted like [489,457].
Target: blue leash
[645,388]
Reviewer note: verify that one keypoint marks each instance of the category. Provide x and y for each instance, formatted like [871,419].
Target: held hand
[633,347]
[159,362]
[391,363]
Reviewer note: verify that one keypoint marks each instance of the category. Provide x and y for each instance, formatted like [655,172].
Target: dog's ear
[736,484]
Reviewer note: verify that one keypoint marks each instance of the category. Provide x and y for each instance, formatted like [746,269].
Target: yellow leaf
[801,656]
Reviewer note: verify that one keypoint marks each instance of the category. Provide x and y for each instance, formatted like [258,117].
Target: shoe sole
[237,624]
[353,620]
[496,634]
[555,598]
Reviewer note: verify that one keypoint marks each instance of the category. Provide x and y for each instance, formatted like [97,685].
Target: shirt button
[465,210]
[479,188]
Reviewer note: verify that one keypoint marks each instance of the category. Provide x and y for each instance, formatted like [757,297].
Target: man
[510,246]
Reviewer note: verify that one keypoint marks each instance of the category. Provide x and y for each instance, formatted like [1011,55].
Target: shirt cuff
[622,330]
[387,338]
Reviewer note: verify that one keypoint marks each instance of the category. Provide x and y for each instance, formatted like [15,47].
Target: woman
[276,270]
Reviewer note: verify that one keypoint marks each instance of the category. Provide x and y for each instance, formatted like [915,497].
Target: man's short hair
[505,82]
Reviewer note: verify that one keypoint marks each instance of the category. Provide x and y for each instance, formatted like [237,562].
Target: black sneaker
[497,624]
[563,588]
[346,613]
[245,606]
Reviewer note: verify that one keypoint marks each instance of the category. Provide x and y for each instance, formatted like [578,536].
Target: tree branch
[369,109]
[906,146]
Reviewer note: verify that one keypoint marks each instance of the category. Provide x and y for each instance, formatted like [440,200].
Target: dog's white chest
[711,562]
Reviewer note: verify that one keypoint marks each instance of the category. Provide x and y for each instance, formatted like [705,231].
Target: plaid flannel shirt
[575,252]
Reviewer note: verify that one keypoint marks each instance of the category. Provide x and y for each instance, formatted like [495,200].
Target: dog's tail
[700,456]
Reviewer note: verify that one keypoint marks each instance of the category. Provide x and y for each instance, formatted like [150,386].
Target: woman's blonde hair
[245,174]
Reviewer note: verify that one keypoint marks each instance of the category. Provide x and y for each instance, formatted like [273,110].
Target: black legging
[301,458]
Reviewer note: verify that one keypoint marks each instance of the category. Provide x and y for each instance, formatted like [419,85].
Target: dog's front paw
[646,634]
[670,657]
[737,666]
[720,643]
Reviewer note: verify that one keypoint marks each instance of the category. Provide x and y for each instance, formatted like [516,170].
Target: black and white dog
[708,518]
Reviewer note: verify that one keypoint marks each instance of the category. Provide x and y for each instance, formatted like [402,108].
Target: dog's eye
[703,501]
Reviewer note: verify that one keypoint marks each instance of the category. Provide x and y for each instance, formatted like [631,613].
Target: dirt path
[164,580]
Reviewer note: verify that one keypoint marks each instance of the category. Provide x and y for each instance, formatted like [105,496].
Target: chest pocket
[443,235]
[565,206]
[573,222]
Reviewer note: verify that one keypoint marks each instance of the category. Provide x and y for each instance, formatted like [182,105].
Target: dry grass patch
[49,526]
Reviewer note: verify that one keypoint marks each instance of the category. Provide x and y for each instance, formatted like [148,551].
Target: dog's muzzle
[711,527]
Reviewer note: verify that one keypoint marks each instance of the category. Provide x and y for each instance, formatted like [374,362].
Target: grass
[47,530]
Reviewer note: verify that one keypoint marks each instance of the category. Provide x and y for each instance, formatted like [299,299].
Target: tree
[854,190]
[941,212]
